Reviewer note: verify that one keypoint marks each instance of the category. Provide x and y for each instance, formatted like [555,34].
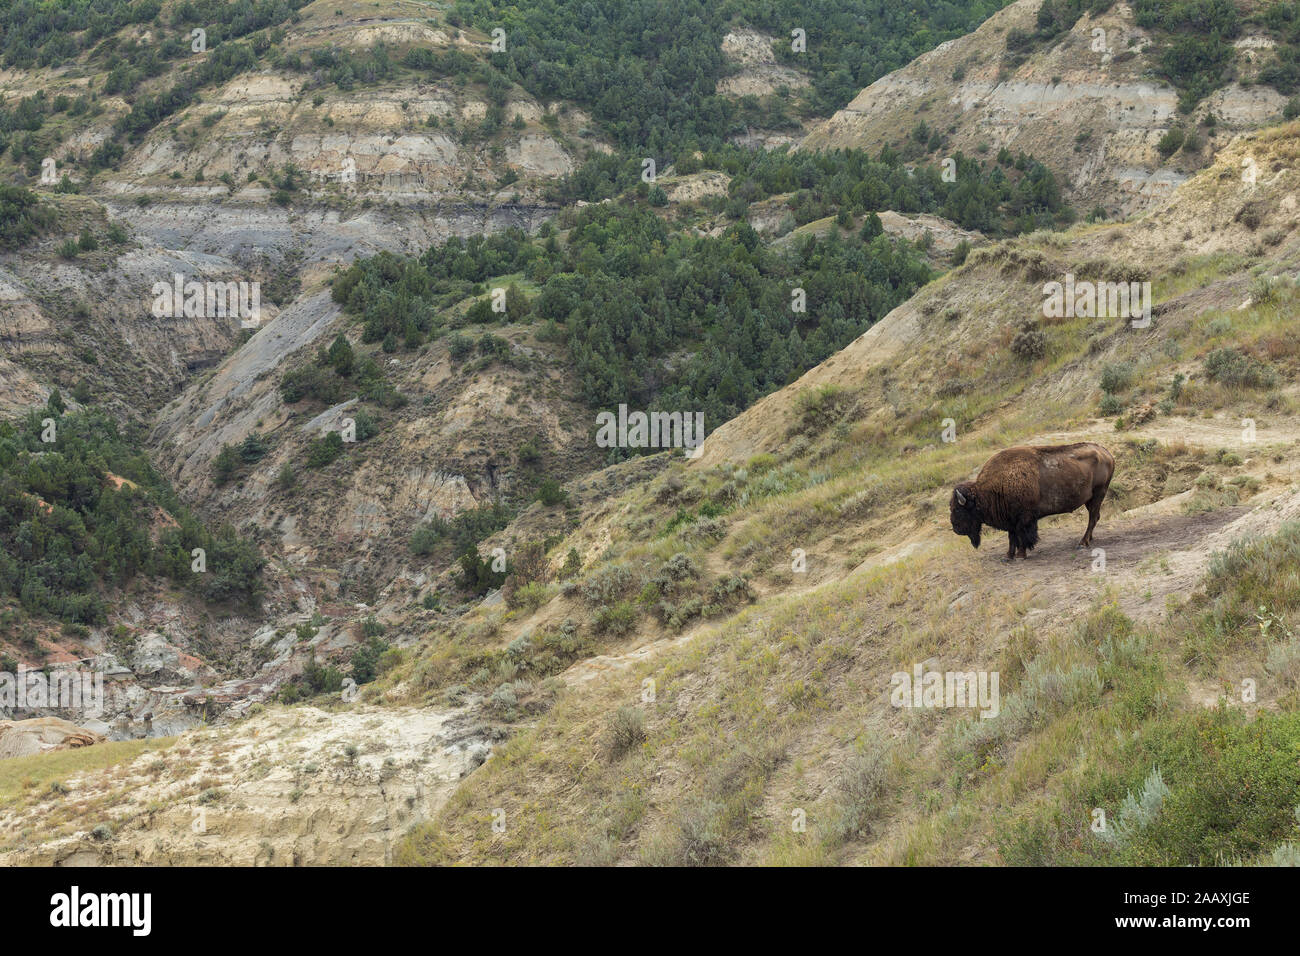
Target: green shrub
[858,790]
[572,565]
[425,538]
[253,448]
[531,595]
[607,584]
[1029,343]
[321,679]
[324,450]
[618,619]
[549,493]
[1230,366]
[365,659]
[477,574]
[702,834]
[463,531]
[312,382]
[1117,377]
[1232,789]
[1136,813]
[627,731]
[225,465]
[818,407]
[366,426]
[23,216]
[1171,142]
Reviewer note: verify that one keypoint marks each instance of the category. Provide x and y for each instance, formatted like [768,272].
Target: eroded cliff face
[1087,105]
[64,320]
[452,446]
[406,143]
[264,181]
[401,140]
[310,240]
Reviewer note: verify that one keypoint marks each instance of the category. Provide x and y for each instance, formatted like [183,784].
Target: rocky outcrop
[757,71]
[18,738]
[249,233]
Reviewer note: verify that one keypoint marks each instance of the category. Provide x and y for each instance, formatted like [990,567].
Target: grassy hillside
[1118,678]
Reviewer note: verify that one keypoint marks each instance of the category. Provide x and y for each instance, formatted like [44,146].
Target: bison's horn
[961,499]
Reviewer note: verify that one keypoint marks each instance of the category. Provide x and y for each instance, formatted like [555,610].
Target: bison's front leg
[1026,535]
[1011,545]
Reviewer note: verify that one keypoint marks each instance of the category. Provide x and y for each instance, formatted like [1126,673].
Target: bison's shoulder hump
[1013,473]
[1077,447]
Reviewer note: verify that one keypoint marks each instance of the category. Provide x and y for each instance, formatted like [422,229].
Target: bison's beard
[966,523]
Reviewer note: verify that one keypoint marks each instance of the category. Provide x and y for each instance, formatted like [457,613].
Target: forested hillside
[649,70]
[658,316]
[83,513]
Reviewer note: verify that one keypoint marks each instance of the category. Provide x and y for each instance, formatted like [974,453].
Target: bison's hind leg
[1094,513]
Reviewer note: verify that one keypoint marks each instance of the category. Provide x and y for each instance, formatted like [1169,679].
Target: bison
[1018,486]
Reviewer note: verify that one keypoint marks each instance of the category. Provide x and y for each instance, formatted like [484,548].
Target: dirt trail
[1217,432]
[1140,560]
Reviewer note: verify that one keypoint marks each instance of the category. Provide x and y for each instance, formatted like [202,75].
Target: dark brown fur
[1018,486]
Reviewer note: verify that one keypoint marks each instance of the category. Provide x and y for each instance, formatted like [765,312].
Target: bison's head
[965,512]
